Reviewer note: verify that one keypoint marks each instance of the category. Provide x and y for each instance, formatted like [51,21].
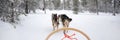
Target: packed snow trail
[38,26]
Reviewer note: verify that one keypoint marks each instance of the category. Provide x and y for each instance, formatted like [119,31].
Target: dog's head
[54,15]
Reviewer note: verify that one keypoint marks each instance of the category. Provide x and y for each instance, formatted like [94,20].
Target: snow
[38,26]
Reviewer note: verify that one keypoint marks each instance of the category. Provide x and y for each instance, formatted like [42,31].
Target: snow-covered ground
[38,26]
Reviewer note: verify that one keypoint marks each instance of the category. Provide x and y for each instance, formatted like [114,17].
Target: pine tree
[26,6]
[75,6]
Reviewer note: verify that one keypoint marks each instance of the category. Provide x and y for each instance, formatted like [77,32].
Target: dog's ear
[58,15]
[55,13]
[70,19]
[52,13]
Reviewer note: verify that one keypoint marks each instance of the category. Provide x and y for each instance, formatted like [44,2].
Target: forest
[11,9]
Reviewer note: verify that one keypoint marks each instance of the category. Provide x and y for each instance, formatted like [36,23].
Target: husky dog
[65,20]
[55,21]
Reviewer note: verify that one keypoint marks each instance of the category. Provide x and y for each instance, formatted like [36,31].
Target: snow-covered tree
[75,6]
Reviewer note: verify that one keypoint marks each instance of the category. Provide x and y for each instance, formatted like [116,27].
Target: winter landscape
[38,26]
[31,19]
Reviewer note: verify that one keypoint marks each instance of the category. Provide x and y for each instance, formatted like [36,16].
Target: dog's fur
[55,21]
[65,20]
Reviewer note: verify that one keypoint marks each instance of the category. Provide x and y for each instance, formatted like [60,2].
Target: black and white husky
[65,20]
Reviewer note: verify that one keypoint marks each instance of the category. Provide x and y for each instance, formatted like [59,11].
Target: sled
[69,36]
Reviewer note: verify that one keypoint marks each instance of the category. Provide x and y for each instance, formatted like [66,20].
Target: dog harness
[69,36]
